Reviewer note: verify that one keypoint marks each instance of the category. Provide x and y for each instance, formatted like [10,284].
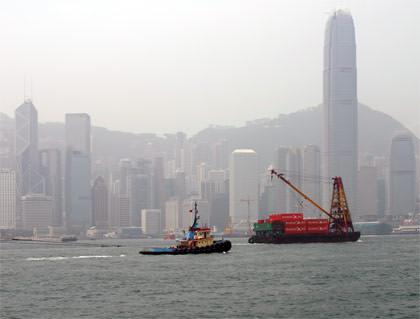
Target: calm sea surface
[376,277]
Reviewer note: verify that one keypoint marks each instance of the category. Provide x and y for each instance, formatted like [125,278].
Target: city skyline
[175,171]
[184,72]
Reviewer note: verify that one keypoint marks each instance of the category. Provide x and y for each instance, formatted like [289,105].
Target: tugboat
[198,241]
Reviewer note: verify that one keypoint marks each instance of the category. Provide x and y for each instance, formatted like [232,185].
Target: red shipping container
[295,223]
[260,221]
[288,217]
[318,229]
[317,221]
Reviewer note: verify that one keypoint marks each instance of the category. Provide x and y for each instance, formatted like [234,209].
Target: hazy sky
[167,66]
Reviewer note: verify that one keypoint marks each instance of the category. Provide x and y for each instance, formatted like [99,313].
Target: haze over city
[165,66]
[238,159]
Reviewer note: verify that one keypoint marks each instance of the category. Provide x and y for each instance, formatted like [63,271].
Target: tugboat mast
[194,226]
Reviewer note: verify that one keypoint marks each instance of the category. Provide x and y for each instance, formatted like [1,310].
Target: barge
[293,228]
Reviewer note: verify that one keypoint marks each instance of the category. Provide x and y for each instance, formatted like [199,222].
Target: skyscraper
[78,191]
[78,132]
[7,199]
[26,147]
[100,204]
[243,187]
[340,103]
[402,176]
[78,206]
[7,143]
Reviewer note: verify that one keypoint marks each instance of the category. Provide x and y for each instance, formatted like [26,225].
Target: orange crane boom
[279,175]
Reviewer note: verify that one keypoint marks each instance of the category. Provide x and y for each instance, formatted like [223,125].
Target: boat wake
[66,258]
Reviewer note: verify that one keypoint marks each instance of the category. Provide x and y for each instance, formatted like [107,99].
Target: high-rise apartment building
[340,104]
[26,147]
[243,186]
[100,204]
[402,176]
[7,199]
[37,213]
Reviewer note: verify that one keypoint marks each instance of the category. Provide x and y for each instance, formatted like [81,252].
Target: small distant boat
[198,241]
[407,230]
[68,238]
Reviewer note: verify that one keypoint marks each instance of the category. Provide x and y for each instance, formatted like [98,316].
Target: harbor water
[376,277]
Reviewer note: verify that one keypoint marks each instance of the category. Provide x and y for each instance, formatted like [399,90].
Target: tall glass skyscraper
[340,104]
[29,180]
[78,207]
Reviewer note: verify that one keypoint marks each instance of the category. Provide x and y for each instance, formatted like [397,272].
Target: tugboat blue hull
[219,246]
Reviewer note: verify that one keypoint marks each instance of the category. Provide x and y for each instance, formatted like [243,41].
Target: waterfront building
[150,221]
[37,213]
[124,210]
[50,169]
[402,176]
[100,204]
[340,149]
[243,186]
[7,199]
